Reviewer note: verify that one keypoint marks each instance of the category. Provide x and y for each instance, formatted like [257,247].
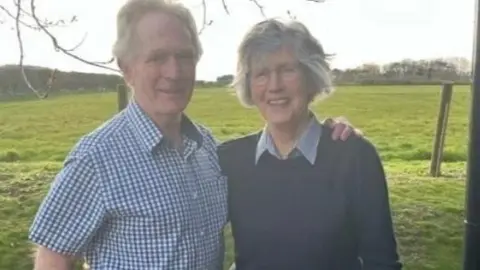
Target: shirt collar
[306,146]
[149,134]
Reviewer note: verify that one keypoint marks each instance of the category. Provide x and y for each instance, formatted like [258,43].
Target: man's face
[162,70]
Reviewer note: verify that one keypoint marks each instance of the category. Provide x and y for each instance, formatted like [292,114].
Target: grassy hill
[400,120]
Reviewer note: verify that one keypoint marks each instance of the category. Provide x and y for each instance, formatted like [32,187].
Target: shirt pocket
[152,196]
[144,236]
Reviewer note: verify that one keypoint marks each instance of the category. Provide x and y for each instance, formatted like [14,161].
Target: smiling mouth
[278,101]
[169,92]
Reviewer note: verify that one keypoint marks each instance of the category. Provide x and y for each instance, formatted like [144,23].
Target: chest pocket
[146,197]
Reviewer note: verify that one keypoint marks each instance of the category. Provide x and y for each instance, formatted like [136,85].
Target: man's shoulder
[237,151]
[100,138]
[204,131]
[208,139]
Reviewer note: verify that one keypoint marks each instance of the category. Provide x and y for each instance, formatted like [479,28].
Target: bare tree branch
[22,68]
[58,47]
[43,25]
[17,18]
[204,22]
[225,7]
[260,7]
[79,44]
[22,17]
[290,15]
[257,4]
[46,22]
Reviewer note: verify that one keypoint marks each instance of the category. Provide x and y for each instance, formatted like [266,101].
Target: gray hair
[133,10]
[270,35]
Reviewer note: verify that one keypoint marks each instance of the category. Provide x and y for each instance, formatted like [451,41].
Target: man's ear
[121,65]
[126,70]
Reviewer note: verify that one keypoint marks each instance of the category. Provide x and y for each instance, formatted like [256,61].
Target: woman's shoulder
[239,144]
[353,145]
[236,151]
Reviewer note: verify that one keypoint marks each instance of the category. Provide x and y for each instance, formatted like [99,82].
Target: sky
[356,31]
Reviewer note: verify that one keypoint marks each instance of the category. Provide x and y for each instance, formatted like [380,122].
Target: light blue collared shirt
[306,146]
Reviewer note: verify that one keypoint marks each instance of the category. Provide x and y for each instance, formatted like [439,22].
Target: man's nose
[171,68]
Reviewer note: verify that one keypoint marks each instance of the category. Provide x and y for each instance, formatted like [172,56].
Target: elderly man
[144,190]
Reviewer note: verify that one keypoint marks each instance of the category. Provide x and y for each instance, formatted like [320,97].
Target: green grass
[400,120]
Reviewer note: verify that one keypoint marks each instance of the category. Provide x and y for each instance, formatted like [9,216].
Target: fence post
[437,153]
[122,97]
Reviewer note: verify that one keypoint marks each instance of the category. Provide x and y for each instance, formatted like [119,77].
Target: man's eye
[158,58]
[185,56]
[260,74]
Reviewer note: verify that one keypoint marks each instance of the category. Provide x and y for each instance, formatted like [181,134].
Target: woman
[297,198]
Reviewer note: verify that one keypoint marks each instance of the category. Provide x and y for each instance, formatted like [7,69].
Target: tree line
[406,71]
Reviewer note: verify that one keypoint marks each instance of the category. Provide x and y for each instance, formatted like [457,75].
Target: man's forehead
[161,25]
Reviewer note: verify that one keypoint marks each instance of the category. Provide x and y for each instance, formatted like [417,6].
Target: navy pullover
[289,214]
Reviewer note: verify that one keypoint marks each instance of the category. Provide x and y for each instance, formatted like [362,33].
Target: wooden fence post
[437,153]
[122,96]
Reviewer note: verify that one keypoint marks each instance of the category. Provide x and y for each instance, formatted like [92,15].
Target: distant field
[400,120]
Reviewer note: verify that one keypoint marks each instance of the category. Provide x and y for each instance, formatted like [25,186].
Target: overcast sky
[357,31]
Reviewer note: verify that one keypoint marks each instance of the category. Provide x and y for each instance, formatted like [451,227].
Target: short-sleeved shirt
[125,199]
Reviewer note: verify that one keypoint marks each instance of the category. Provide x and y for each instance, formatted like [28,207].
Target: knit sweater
[290,214]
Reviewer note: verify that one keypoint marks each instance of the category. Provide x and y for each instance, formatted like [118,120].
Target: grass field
[400,120]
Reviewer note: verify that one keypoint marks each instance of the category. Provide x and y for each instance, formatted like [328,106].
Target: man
[144,190]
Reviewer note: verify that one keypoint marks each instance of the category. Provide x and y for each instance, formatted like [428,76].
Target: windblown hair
[272,34]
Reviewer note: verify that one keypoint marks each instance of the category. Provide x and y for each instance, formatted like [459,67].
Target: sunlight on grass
[428,213]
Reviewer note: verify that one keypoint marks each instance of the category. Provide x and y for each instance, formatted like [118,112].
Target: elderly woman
[297,198]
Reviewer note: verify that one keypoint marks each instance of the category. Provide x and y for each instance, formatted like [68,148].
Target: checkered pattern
[125,200]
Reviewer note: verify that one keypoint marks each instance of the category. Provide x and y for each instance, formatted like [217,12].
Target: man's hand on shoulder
[342,128]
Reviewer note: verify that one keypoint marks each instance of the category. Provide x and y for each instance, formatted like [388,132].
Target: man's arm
[69,215]
[47,259]
[373,221]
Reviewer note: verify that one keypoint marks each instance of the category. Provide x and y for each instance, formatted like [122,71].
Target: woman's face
[277,88]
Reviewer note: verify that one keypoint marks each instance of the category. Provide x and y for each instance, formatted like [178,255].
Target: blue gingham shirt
[306,145]
[126,200]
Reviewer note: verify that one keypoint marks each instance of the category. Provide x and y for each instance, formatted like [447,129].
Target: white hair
[133,10]
[270,35]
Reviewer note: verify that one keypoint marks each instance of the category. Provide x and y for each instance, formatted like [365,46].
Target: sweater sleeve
[373,221]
